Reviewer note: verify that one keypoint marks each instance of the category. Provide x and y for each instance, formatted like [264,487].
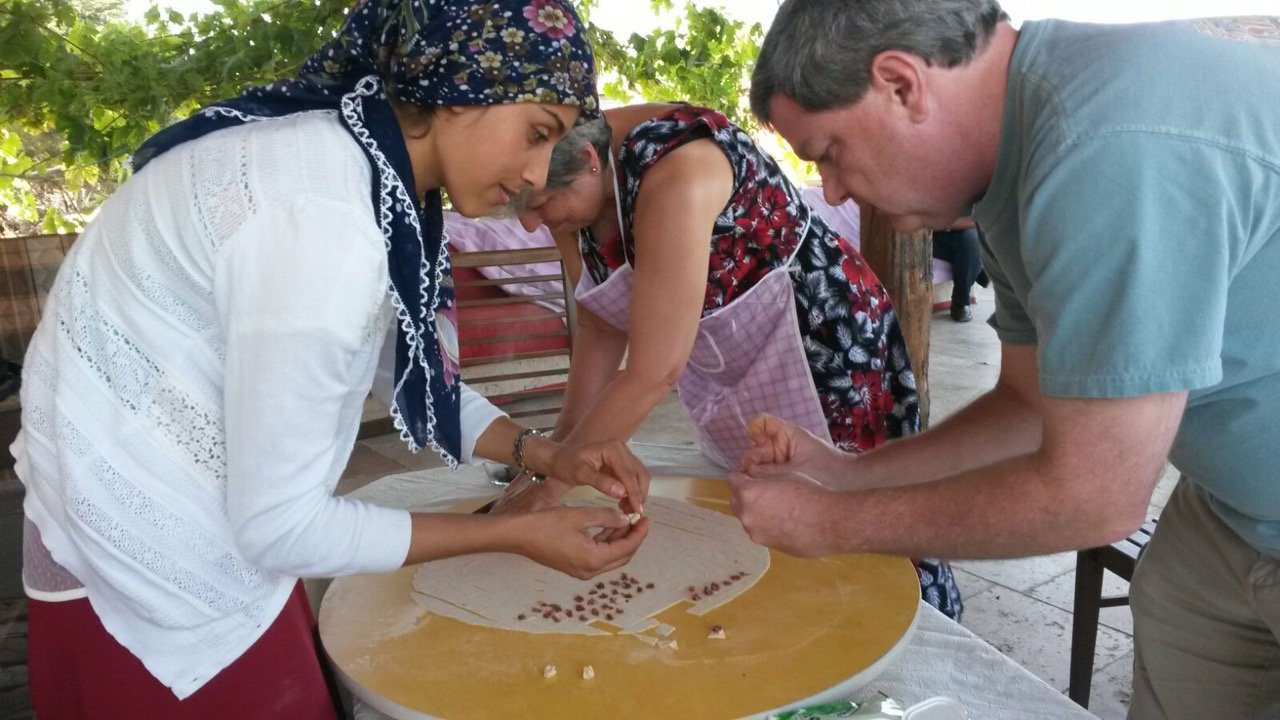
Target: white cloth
[193,392]
[944,658]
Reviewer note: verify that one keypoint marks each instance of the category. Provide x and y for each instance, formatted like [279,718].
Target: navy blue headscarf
[430,53]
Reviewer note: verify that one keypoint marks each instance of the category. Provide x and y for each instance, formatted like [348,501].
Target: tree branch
[36,177]
[67,40]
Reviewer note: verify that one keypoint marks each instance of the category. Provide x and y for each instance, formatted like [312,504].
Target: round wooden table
[808,631]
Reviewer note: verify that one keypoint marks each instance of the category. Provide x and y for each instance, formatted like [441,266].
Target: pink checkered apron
[747,359]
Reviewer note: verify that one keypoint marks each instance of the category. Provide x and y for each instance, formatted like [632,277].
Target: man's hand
[779,448]
[582,542]
[786,512]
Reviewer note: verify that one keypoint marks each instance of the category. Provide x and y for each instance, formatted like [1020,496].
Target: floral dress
[852,340]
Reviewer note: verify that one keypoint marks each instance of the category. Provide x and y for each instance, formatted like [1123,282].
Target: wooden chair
[27,269]
[515,334]
[515,348]
[1120,558]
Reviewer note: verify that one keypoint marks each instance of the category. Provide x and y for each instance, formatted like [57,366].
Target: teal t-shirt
[1133,234]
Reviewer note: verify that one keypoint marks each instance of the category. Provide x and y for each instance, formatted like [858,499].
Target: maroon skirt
[78,670]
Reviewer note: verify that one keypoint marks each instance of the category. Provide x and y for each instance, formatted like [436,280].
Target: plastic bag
[937,708]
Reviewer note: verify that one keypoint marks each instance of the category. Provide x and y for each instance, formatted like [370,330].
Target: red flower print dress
[855,349]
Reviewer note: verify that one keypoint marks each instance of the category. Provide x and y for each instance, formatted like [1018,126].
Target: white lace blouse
[193,392]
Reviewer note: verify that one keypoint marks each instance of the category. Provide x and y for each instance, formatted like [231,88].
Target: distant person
[959,245]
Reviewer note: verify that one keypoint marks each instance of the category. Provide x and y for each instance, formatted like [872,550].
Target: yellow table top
[807,626]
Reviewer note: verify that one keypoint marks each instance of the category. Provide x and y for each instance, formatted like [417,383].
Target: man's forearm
[996,426]
[1010,509]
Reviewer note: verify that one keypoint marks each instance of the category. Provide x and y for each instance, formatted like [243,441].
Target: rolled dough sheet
[692,555]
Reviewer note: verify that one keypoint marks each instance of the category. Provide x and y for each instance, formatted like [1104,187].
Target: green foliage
[705,58]
[81,86]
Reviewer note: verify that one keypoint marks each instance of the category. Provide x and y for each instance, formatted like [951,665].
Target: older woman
[701,263]
[194,388]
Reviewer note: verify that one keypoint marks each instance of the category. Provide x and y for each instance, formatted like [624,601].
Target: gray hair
[569,159]
[819,52]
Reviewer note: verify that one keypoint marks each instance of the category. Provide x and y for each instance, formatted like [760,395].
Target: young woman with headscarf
[194,388]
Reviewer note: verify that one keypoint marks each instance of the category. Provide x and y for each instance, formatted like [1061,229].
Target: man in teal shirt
[1128,180]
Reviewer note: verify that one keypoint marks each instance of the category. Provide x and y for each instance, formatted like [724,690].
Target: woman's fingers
[618,551]
[601,539]
[611,468]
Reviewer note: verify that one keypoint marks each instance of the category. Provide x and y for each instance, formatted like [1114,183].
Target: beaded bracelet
[517,452]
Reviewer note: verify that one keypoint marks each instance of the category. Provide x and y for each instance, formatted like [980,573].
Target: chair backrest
[27,269]
[28,266]
[515,348]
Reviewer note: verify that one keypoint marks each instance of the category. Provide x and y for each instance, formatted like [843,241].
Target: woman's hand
[582,542]
[608,466]
[780,448]
[523,495]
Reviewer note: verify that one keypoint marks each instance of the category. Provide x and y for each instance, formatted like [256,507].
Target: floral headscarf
[430,53]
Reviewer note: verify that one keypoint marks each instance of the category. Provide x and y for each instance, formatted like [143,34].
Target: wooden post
[904,264]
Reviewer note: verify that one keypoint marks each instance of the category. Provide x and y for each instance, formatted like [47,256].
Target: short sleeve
[1127,265]
[1010,320]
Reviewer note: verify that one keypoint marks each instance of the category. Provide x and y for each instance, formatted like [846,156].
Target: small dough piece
[549,671]
[716,633]
[588,672]
[669,645]
[634,518]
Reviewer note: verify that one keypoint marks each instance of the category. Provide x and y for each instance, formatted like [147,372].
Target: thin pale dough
[688,549]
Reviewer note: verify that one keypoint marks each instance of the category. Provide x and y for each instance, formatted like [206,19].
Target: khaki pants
[1206,618]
